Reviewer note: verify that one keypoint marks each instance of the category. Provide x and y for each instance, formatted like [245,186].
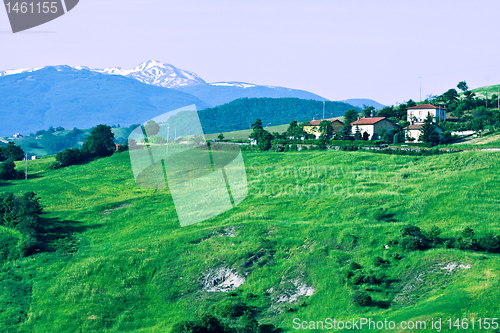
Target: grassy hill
[118,261]
[487,90]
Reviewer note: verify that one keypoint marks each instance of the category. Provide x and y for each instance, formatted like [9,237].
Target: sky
[336,49]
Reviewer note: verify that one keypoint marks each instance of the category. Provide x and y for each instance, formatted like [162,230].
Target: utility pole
[168,133]
[420,77]
[323,110]
[498,97]
[175,133]
[26,172]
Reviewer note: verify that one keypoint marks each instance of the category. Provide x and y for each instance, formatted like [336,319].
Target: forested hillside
[239,114]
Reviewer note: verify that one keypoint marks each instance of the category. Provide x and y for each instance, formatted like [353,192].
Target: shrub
[8,171]
[69,157]
[358,278]
[9,242]
[231,309]
[490,243]
[412,238]
[355,266]
[379,261]
[361,298]
[267,328]
[467,240]
[204,324]
[158,140]
[122,148]
[433,235]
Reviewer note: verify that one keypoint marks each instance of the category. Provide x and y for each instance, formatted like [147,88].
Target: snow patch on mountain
[151,72]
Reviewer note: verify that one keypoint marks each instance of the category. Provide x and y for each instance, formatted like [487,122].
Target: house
[372,126]
[414,131]
[314,127]
[17,135]
[418,113]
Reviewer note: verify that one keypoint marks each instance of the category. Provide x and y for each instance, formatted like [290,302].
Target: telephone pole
[26,172]
[420,88]
[323,110]
[168,133]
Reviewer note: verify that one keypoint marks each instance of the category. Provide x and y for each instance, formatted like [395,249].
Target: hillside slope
[241,113]
[118,261]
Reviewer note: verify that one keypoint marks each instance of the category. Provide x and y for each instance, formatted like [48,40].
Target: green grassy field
[244,134]
[120,262]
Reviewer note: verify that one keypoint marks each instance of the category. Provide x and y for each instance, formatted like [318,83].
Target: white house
[373,125]
[18,135]
[418,113]
[414,131]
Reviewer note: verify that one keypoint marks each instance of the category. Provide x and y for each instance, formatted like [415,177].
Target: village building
[314,127]
[372,126]
[418,113]
[414,131]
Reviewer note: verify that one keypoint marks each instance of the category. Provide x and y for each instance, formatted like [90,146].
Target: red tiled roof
[426,106]
[419,127]
[414,127]
[316,122]
[368,121]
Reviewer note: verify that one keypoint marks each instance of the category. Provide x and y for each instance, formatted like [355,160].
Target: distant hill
[165,75]
[241,113]
[220,93]
[359,102]
[67,97]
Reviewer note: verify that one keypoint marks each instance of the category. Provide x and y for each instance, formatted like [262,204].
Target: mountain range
[36,98]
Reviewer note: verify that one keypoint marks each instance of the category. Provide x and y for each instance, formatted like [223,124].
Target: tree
[220,137]
[450,96]
[11,152]
[257,125]
[326,129]
[68,157]
[8,171]
[151,128]
[259,134]
[428,131]
[462,85]
[357,134]
[368,111]
[295,130]
[350,116]
[366,136]
[100,142]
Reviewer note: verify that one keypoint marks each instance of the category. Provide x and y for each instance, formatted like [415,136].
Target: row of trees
[98,144]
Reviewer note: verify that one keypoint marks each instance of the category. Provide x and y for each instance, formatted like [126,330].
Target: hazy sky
[336,49]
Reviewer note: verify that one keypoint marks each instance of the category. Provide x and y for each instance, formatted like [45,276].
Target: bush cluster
[8,171]
[98,144]
[19,215]
[413,238]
